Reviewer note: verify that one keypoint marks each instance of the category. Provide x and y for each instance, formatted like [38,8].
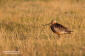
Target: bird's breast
[52,28]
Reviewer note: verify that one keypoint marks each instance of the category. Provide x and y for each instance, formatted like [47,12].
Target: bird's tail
[69,32]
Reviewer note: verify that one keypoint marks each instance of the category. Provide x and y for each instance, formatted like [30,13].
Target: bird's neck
[53,23]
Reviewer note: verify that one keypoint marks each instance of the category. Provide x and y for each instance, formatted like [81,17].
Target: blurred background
[21,27]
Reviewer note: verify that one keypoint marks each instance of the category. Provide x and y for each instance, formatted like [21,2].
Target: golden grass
[21,27]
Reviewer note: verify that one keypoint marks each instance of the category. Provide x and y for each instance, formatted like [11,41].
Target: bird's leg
[58,36]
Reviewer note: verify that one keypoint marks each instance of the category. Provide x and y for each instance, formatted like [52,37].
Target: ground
[21,27]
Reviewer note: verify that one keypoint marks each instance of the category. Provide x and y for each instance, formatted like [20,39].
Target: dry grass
[21,27]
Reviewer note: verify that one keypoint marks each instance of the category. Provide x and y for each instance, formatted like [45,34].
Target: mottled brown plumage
[58,28]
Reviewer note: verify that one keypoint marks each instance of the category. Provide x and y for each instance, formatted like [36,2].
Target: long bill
[46,24]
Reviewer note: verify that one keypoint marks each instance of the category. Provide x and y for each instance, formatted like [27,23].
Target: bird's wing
[60,28]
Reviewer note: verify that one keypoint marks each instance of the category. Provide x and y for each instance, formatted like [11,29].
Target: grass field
[21,27]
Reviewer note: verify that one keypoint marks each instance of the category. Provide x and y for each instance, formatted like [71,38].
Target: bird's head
[53,21]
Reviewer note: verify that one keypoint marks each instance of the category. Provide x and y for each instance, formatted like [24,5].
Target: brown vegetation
[21,27]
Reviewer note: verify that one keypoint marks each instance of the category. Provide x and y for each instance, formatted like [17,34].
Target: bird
[59,29]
